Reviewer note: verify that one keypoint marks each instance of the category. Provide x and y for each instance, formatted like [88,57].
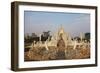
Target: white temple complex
[61,34]
[61,46]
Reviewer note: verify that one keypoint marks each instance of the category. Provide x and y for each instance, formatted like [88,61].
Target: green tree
[87,36]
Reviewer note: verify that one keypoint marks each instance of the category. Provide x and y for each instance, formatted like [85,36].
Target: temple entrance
[61,43]
[61,48]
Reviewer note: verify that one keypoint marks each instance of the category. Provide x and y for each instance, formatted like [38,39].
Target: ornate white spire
[61,30]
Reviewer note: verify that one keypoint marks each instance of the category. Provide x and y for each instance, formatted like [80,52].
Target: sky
[73,23]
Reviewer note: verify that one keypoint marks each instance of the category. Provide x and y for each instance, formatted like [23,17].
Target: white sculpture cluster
[67,40]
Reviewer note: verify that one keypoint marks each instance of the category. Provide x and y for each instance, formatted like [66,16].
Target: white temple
[54,40]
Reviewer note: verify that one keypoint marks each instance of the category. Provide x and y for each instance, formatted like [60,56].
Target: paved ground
[41,54]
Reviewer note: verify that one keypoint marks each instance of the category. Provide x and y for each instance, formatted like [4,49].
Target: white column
[75,44]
